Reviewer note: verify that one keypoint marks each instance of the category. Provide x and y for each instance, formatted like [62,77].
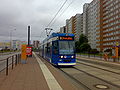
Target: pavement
[34,75]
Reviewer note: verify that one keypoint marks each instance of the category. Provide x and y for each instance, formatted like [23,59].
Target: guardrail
[10,61]
[100,56]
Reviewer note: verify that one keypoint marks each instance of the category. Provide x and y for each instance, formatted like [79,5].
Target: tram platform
[35,75]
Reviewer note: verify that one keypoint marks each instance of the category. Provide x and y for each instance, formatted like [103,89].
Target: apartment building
[92,12]
[109,26]
[85,6]
[63,29]
[36,43]
[78,25]
[75,25]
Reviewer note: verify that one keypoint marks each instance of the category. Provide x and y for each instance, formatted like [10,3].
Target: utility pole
[28,35]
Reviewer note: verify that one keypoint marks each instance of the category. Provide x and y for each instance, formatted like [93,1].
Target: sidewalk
[30,77]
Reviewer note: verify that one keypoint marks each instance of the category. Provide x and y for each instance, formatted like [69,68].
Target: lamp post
[11,39]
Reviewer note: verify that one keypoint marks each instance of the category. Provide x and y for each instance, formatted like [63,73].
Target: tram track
[77,81]
[98,67]
[86,80]
[96,77]
[87,86]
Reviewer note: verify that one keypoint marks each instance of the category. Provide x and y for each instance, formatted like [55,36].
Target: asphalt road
[3,59]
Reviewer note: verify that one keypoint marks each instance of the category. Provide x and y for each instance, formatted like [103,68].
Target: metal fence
[99,56]
[10,61]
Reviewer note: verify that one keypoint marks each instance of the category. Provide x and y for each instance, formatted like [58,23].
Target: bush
[94,51]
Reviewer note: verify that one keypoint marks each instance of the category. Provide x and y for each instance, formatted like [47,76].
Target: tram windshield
[66,47]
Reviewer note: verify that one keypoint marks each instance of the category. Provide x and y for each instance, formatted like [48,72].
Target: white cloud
[37,13]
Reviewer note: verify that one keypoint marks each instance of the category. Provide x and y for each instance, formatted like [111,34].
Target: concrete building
[71,25]
[78,25]
[85,6]
[67,25]
[36,43]
[63,29]
[109,32]
[92,11]
[4,45]
[75,25]
[16,45]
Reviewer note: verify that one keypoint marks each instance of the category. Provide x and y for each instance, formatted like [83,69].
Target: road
[3,59]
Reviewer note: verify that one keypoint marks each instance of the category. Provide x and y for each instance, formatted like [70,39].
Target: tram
[59,49]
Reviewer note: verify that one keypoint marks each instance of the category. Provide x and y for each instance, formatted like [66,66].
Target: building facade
[92,12]
[85,6]
[63,29]
[75,25]
[16,45]
[36,43]
[109,32]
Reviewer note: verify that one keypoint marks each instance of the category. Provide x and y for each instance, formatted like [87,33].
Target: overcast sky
[16,15]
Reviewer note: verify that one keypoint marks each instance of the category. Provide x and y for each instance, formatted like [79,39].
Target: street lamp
[11,39]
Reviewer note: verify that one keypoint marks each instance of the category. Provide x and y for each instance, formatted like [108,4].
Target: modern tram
[59,49]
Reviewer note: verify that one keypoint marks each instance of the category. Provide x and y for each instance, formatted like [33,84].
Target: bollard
[12,61]
[7,66]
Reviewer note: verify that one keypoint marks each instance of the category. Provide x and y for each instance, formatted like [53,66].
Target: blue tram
[59,49]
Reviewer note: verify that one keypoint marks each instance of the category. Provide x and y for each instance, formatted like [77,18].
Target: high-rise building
[109,25]
[85,6]
[78,25]
[91,22]
[63,29]
[101,23]
[75,25]
[36,43]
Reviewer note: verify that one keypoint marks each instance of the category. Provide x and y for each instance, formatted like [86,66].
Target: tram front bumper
[66,64]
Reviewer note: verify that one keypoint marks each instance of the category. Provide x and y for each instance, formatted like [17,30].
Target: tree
[77,46]
[85,47]
[94,51]
[83,40]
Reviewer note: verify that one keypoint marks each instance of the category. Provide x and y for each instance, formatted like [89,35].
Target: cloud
[18,14]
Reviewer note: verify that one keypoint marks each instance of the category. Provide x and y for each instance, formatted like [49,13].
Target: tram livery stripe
[50,79]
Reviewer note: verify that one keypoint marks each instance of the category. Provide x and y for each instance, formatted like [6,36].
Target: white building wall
[92,14]
[78,25]
[85,6]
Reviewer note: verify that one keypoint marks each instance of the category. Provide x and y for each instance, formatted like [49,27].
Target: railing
[9,61]
[99,56]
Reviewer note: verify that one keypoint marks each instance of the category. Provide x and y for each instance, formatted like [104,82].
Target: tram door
[55,51]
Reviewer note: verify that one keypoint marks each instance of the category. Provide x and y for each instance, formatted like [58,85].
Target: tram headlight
[72,56]
[61,56]
[65,56]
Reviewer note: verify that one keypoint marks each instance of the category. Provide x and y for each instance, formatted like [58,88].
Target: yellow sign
[117,44]
[23,52]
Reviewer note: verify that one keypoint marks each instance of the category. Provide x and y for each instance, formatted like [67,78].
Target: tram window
[55,47]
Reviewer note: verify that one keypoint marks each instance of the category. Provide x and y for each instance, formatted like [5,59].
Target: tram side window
[48,48]
[55,47]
